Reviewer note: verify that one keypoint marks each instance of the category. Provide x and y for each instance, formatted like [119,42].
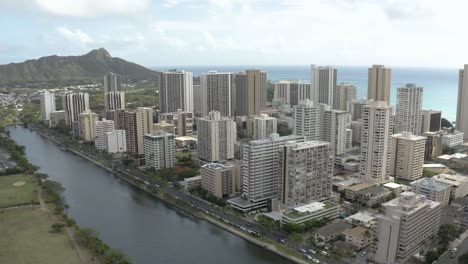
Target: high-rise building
[219,180]
[218,93]
[434,190]
[251,92]
[291,92]
[86,125]
[375,141]
[56,117]
[356,107]
[118,116]
[175,91]
[409,109]
[116,141]
[433,147]
[407,156]
[323,86]
[47,106]
[137,123]
[263,126]
[307,118]
[112,82]
[462,106]
[431,121]
[101,128]
[260,172]
[197,100]
[346,93]
[306,172]
[334,125]
[379,83]
[74,104]
[356,127]
[159,149]
[216,138]
[183,122]
[409,221]
[114,101]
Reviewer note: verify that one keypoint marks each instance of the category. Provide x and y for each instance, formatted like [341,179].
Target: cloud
[84,8]
[75,35]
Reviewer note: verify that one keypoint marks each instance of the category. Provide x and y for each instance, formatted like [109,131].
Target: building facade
[431,121]
[218,180]
[218,93]
[74,104]
[462,106]
[251,92]
[112,82]
[263,126]
[379,83]
[291,92]
[308,122]
[175,91]
[159,150]
[47,106]
[433,190]
[433,147]
[346,93]
[407,156]
[86,125]
[323,86]
[183,122]
[101,128]
[137,123]
[116,141]
[114,101]
[409,109]
[334,129]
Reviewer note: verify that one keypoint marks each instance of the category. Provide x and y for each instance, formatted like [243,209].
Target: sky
[429,33]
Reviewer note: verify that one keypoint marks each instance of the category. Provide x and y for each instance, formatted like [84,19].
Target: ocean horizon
[440,84]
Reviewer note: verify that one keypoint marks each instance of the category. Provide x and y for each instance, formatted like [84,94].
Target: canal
[145,228]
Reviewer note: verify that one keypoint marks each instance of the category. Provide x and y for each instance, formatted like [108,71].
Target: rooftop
[359,232]
[430,183]
[455,179]
[375,190]
[408,136]
[392,185]
[332,229]
[434,166]
[359,186]
[309,209]
[362,216]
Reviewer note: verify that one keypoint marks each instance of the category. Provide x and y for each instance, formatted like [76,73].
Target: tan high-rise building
[251,92]
[334,125]
[323,86]
[183,122]
[462,106]
[137,123]
[379,83]
[433,147]
[219,180]
[263,126]
[100,133]
[175,91]
[87,121]
[407,156]
[346,94]
[74,104]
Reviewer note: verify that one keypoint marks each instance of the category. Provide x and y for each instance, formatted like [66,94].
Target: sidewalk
[459,240]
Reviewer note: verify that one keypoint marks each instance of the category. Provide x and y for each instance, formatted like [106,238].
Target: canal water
[143,227]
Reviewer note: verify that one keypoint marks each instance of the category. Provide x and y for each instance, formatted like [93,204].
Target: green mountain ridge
[93,65]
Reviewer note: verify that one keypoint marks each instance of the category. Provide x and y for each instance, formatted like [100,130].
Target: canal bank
[196,213]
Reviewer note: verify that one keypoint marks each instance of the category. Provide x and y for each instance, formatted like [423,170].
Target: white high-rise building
[409,109]
[216,137]
[159,149]
[260,172]
[175,91]
[407,156]
[291,92]
[217,93]
[263,126]
[307,118]
[375,141]
[334,125]
[114,101]
[47,106]
[116,141]
[323,85]
[346,93]
[306,172]
[407,223]
[356,107]
[86,125]
[74,104]
[379,83]
[101,128]
[112,82]
[462,106]
[197,100]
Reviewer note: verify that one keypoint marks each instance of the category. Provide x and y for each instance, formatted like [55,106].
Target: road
[462,249]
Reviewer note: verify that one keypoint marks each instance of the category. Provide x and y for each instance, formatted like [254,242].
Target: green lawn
[25,239]
[11,195]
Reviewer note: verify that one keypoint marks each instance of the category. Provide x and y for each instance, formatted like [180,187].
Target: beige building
[74,104]
[409,221]
[100,130]
[434,190]
[323,86]
[183,122]
[216,138]
[433,147]
[263,126]
[458,182]
[217,93]
[352,191]
[251,86]
[360,237]
[137,123]
[165,126]
[407,156]
[220,180]
[462,106]
[379,83]
[408,114]
[87,120]
[308,120]
[159,150]
[346,94]
[334,129]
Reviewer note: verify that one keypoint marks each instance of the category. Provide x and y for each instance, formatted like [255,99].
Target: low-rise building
[219,180]
[165,126]
[340,185]
[458,182]
[312,211]
[192,183]
[394,187]
[436,168]
[453,140]
[353,190]
[433,190]
[372,196]
[330,232]
[362,218]
[360,237]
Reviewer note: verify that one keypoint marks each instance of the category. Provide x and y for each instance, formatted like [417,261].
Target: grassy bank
[17,190]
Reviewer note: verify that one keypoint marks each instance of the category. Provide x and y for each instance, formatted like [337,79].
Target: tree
[463,259]
[431,256]
[447,233]
[446,123]
[114,256]
[283,129]
[56,228]
[296,238]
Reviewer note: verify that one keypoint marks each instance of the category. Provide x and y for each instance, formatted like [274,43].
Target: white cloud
[83,8]
[75,35]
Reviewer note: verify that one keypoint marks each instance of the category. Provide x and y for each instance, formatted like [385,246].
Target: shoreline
[173,202]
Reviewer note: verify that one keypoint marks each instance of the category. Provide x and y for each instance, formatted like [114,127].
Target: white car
[312,251]
[315,261]
[324,253]
[302,250]
[307,257]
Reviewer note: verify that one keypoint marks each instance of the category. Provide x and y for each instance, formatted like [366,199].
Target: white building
[260,172]
[346,93]
[217,93]
[291,92]
[263,126]
[458,182]
[307,118]
[462,106]
[323,85]
[86,125]
[112,82]
[114,101]
[434,190]
[407,156]
[306,172]
[408,222]
[100,133]
[453,140]
[47,106]
[116,141]
[356,107]
[375,141]
[159,149]
[409,109]
[74,104]
[334,126]
[175,91]
[216,138]
[379,83]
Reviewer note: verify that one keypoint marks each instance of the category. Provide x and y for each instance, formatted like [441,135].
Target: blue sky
[235,32]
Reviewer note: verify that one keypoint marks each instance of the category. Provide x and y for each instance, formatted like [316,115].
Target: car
[453,252]
[312,251]
[324,253]
[307,257]
[302,250]
[282,241]
[315,260]
[363,253]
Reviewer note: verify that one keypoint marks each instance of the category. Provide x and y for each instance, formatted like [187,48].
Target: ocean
[440,85]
